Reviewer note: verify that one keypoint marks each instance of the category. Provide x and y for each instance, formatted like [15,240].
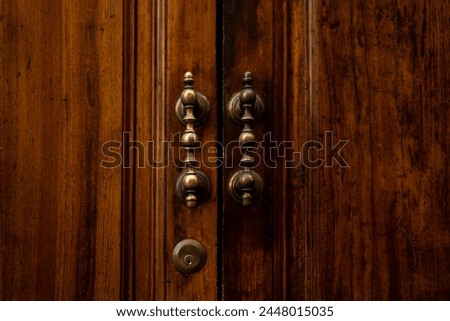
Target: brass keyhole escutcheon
[189,256]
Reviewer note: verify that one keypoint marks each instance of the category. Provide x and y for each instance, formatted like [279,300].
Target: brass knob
[189,256]
[193,186]
[202,107]
[235,106]
[245,108]
[246,186]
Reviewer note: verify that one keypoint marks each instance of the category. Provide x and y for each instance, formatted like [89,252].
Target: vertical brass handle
[193,186]
[245,108]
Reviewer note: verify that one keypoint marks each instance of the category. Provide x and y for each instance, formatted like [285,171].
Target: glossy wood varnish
[172,37]
[76,75]
[61,99]
[374,73]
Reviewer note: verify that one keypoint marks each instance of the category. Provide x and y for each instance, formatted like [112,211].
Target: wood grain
[61,99]
[375,73]
[173,37]
[247,231]
[129,152]
[75,75]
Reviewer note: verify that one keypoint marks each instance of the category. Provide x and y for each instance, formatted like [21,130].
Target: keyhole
[189,256]
[189,259]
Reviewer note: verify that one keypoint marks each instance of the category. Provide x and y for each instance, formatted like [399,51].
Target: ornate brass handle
[245,108]
[193,186]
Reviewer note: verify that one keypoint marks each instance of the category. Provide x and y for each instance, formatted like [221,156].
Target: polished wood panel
[61,99]
[172,37]
[374,73]
[75,75]
[247,231]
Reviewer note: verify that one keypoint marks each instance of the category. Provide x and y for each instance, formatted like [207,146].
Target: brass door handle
[245,108]
[192,109]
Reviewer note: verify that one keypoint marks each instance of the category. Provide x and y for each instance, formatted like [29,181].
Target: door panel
[373,73]
[382,227]
[173,37]
[61,99]
[370,73]
[247,244]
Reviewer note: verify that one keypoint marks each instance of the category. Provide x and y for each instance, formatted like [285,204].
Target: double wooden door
[354,149]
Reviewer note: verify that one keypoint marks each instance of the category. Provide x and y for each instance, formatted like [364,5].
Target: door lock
[189,256]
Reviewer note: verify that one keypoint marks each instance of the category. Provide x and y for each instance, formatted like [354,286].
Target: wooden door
[61,99]
[172,37]
[84,86]
[354,152]
[360,88]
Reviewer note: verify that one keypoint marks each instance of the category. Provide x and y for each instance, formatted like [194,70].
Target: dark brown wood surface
[75,75]
[381,228]
[375,73]
[172,37]
[248,255]
[61,99]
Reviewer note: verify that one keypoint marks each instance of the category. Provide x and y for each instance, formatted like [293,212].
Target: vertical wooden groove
[160,134]
[280,264]
[129,154]
[151,180]
[221,185]
[311,269]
